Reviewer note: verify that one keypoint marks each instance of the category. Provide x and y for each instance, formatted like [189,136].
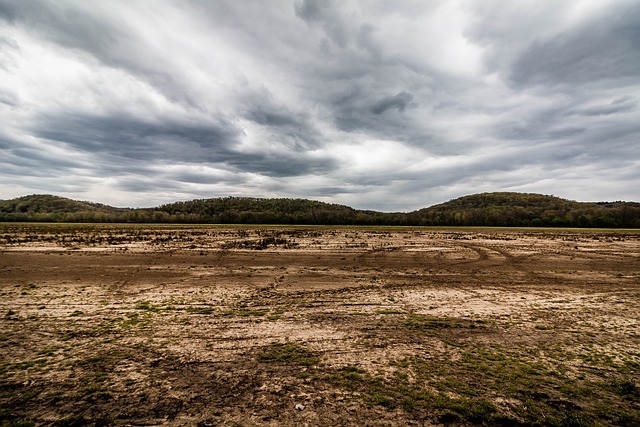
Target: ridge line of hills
[484,209]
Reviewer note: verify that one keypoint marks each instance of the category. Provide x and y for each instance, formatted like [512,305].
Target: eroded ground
[161,325]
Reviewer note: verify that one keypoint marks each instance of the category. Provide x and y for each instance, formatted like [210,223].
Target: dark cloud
[359,108]
[269,117]
[134,139]
[197,178]
[171,142]
[141,185]
[34,159]
[398,102]
[282,165]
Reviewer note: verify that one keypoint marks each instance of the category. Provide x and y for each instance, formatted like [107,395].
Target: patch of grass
[616,415]
[631,365]
[432,325]
[349,377]
[200,310]
[246,313]
[289,354]
[147,306]
[413,397]
[90,361]
[97,391]
[563,417]
[458,392]
[135,319]
[624,388]
[21,366]
[598,358]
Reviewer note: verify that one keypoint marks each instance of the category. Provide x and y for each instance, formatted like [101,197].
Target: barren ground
[206,325]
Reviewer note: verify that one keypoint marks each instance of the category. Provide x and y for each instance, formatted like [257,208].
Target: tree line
[486,209]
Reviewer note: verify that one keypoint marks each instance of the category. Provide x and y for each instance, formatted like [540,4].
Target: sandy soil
[162,325]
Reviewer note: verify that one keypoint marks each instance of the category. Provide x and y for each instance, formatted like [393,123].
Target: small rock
[299,407]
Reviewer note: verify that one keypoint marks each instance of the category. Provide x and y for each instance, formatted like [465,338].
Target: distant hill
[486,209]
[248,210]
[39,207]
[526,209]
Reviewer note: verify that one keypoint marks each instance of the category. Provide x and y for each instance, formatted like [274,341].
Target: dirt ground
[208,325]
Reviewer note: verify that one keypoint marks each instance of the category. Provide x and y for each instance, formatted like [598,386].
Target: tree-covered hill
[487,209]
[524,210]
[40,207]
[247,210]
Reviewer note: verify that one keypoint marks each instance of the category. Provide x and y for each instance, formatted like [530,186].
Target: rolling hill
[486,209]
[44,207]
[526,209]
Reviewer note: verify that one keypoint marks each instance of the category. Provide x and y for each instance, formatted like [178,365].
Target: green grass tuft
[289,354]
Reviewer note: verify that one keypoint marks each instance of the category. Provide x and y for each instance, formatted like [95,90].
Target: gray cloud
[327,14]
[605,47]
[171,142]
[373,104]
[9,99]
[398,102]
[620,105]
[145,141]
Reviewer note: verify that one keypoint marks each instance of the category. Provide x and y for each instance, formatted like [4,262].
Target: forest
[499,209]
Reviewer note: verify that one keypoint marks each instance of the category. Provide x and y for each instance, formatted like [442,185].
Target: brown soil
[170,325]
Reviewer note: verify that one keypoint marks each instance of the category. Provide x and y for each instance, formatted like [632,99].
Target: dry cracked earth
[320,326]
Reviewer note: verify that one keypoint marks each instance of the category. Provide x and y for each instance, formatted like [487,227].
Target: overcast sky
[387,105]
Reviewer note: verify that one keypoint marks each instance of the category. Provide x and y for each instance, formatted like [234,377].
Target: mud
[170,325]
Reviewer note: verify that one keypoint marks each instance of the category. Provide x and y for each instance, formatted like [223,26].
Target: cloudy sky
[377,104]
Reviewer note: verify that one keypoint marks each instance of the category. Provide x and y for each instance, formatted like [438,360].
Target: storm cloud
[374,104]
